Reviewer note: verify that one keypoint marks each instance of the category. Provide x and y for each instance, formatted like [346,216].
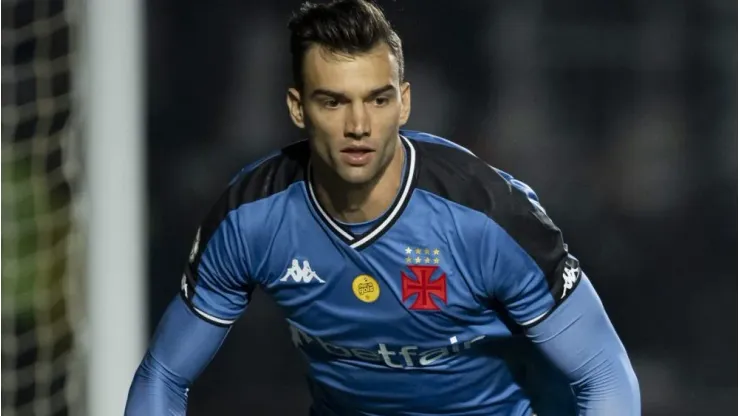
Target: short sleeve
[216,283]
[529,269]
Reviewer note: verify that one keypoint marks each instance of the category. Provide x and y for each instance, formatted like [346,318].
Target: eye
[381,101]
[331,103]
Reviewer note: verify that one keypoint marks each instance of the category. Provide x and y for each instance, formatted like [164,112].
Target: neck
[355,203]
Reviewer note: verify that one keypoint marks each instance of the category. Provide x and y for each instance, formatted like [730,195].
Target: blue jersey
[419,311]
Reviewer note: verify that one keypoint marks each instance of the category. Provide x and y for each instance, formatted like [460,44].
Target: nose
[357,123]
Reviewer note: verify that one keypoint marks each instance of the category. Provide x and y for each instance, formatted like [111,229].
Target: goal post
[114,110]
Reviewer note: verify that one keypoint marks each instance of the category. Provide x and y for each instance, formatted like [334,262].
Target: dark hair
[341,26]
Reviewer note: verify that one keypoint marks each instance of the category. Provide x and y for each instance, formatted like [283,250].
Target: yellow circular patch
[366,288]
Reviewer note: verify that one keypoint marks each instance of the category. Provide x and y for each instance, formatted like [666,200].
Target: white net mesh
[41,300]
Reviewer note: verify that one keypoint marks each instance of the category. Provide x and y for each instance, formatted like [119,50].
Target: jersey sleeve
[530,270]
[580,340]
[235,237]
[181,348]
[216,283]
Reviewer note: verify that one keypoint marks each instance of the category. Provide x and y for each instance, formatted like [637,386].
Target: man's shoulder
[438,144]
[269,175]
[456,174]
[260,181]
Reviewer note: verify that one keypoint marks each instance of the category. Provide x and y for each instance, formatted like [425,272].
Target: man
[416,279]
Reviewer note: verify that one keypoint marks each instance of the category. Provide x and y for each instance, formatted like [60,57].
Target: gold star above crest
[426,251]
[408,259]
[427,260]
[436,260]
[408,250]
[418,251]
[436,252]
[418,259]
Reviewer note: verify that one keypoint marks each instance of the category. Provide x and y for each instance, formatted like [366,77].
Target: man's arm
[214,291]
[563,316]
[182,347]
[580,340]
[545,291]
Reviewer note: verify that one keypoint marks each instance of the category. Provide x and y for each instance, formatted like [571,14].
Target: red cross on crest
[420,284]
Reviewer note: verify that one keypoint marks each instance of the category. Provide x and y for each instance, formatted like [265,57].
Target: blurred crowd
[621,115]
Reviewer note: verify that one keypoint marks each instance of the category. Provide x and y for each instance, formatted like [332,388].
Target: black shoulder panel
[269,177]
[463,178]
[259,180]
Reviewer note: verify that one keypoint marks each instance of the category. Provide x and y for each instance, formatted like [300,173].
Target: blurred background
[622,115]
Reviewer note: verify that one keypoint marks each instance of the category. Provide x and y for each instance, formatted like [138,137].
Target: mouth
[357,149]
[357,155]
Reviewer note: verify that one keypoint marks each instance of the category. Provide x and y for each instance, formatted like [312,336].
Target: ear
[405,103]
[295,107]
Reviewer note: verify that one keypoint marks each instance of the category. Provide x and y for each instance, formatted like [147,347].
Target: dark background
[620,114]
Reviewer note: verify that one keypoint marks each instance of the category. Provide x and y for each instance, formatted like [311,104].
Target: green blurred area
[35,224]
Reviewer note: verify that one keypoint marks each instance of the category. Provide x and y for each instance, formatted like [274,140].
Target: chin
[357,175]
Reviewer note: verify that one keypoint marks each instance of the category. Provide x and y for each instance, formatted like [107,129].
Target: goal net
[41,250]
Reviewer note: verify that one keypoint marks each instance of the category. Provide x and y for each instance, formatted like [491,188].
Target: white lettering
[366,355]
[429,357]
[469,343]
[407,352]
[383,351]
[334,350]
[409,356]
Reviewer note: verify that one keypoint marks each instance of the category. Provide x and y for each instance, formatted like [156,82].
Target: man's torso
[398,319]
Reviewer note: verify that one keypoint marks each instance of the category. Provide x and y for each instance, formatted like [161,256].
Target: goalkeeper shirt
[461,299]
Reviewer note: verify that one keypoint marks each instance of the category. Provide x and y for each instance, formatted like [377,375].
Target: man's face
[352,107]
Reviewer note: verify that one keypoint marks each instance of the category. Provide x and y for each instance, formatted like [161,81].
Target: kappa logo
[184,286]
[571,274]
[194,249]
[299,274]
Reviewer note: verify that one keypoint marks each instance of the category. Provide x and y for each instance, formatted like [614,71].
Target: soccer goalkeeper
[417,279]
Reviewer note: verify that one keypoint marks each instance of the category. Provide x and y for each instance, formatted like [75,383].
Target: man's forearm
[156,391]
[581,341]
[182,347]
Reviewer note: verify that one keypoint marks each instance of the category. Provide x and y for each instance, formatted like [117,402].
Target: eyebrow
[335,94]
